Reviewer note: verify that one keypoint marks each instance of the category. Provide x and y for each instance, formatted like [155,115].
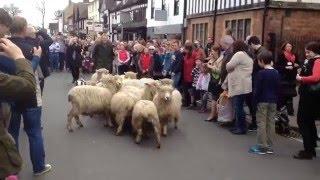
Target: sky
[30,12]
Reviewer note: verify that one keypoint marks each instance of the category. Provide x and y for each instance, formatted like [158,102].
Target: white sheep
[95,78]
[130,75]
[88,100]
[145,111]
[166,81]
[122,102]
[168,102]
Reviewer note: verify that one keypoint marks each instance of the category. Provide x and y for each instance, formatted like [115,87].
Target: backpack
[10,159]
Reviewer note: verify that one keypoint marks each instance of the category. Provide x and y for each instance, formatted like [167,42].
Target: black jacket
[73,55]
[176,65]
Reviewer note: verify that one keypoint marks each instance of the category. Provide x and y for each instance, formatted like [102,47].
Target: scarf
[289,56]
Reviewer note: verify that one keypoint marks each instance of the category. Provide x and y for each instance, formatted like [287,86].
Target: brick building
[274,21]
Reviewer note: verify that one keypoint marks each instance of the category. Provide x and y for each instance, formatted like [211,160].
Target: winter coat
[240,74]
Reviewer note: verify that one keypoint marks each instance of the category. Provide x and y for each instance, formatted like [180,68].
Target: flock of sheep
[126,98]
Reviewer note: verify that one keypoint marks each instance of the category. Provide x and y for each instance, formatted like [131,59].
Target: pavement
[198,150]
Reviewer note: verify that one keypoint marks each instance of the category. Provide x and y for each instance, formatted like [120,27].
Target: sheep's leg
[175,123]
[120,120]
[69,123]
[139,136]
[157,133]
[108,120]
[165,130]
[78,121]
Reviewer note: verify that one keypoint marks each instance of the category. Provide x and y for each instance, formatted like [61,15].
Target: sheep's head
[130,75]
[150,90]
[111,83]
[166,81]
[165,92]
[102,71]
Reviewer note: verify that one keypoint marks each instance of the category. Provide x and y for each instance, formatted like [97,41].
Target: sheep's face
[165,93]
[151,88]
[166,81]
[130,75]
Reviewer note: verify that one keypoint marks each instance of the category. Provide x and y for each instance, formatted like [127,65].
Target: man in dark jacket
[209,46]
[176,66]
[103,54]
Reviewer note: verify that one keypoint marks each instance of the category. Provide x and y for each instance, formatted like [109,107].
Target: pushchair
[282,122]
[87,65]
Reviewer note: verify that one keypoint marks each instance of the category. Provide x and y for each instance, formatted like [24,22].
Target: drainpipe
[215,19]
[265,13]
[184,23]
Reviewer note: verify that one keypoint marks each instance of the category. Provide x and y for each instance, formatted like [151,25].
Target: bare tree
[12,10]
[41,6]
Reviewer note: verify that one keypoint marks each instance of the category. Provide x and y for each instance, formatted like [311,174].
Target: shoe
[258,150]
[252,128]
[303,155]
[269,150]
[215,119]
[238,132]
[47,168]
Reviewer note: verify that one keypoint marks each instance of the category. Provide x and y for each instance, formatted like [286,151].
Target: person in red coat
[145,63]
[188,64]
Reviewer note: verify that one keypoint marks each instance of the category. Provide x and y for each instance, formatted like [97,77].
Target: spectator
[198,51]
[188,65]
[214,65]
[74,57]
[156,63]
[309,102]
[167,60]
[62,51]
[176,66]
[202,86]
[195,76]
[265,95]
[103,54]
[256,47]
[54,54]
[145,63]
[239,83]
[123,59]
[287,66]
[137,51]
[209,46]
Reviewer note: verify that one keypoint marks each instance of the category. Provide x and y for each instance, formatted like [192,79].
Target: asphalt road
[196,151]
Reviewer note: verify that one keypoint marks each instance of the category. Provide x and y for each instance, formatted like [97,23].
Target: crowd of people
[225,73]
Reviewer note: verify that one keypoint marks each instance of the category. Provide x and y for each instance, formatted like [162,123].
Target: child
[202,86]
[265,96]
[123,59]
[195,76]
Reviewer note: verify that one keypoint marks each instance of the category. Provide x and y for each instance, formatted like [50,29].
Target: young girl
[195,76]
[123,59]
[202,86]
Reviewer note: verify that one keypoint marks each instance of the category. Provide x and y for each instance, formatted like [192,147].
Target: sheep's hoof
[81,125]
[176,127]
[164,135]
[118,133]
[137,142]
[159,146]
[70,130]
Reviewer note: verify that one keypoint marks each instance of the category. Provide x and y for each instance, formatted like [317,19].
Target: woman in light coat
[239,83]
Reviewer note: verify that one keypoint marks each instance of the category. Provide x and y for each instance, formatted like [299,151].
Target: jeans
[266,125]
[32,126]
[176,80]
[238,103]
[54,60]
[61,61]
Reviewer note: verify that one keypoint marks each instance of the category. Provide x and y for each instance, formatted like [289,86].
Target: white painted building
[164,17]
[93,11]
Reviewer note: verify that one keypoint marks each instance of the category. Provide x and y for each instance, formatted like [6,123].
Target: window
[152,9]
[200,32]
[176,7]
[241,28]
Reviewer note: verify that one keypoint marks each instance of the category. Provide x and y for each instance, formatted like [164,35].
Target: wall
[171,19]
[256,17]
